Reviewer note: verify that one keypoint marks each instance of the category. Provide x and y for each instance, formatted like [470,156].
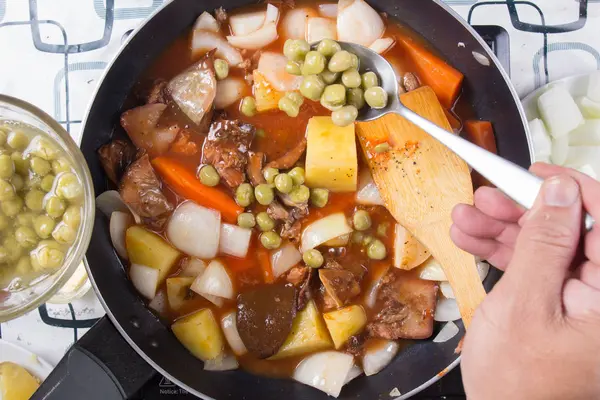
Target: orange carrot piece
[185,184]
[445,80]
[264,259]
[482,134]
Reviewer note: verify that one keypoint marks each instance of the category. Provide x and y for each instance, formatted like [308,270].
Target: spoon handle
[518,183]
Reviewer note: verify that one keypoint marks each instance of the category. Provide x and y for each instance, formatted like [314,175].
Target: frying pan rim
[114,320]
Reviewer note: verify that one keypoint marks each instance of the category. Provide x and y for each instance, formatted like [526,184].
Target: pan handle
[101,365]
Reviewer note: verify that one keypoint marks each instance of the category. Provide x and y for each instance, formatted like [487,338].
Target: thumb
[547,244]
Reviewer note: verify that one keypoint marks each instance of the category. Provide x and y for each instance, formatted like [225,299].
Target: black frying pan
[104,365]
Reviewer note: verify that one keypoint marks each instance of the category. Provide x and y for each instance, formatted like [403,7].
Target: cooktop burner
[449,387]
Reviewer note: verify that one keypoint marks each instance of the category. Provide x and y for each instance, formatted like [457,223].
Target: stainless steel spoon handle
[518,183]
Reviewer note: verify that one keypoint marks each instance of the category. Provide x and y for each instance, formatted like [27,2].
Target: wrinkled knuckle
[550,235]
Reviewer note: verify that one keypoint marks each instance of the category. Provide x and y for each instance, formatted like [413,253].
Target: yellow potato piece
[16,383]
[178,291]
[200,334]
[331,161]
[149,249]
[308,334]
[344,323]
[267,98]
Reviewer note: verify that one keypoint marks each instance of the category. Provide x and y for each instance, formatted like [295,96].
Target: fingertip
[459,212]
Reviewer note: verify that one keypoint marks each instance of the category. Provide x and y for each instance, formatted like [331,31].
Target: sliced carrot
[185,184]
[445,80]
[482,134]
[264,260]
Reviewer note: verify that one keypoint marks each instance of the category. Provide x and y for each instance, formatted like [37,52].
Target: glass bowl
[16,303]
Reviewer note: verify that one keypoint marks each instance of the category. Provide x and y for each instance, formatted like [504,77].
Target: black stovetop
[449,387]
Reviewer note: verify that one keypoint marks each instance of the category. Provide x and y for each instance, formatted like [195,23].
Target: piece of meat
[357,269]
[291,226]
[289,159]
[221,15]
[328,302]
[226,148]
[302,278]
[115,157]
[410,82]
[341,285]
[157,93]
[184,144]
[254,169]
[356,344]
[292,232]
[264,317]
[194,91]
[297,275]
[407,309]
[143,128]
[140,189]
[277,211]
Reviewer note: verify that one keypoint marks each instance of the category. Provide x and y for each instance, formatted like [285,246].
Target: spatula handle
[518,183]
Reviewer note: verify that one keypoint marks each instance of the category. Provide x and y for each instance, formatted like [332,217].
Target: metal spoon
[518,183]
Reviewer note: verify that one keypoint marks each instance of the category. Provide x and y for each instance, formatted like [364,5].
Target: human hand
[537,333]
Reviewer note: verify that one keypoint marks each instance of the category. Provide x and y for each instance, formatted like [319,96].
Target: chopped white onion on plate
[542,143]
[559,111]
[587,134]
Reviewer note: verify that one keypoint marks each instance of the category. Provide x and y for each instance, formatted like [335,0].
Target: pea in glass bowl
[14,303]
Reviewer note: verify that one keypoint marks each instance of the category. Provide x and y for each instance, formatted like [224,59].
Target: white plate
[36,366]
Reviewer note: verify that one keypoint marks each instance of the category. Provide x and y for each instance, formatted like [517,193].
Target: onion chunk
[327,228]
[234,240]
[326,371]
[195,230]
[358,22]
[284,258]
[378,357]
[446,333]
[144,279]
[215,281]
[229,326]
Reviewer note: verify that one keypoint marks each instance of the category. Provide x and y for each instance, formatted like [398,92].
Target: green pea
[7,167]
[376,97]
[26,237]
[55,207]
[7,191]
[270,240]
[261,133]
[293,68]
[328,47]
[357,237]
[314,63]
[297,174]
[319,197]
[26,219]
[34,200]
[33,182]
[3,136]
[12,207]
[4,222]
[4,255]
[295,97]
[13,248]
[369,79]
[17,182]
[289,107]
[43,148]
[47,255]
[361,220]
[334,97]
[18,140]
[72,216]
[355,97]
[382,147]
[221,69]
[23,266]
[284,183]
[248,106]
[270,174]
[295,49]
[341,61]
[21,163]
[344,116]
[265,222]
[43,226]
[209,176]
[246,220]
[47,183]
[351,78]
[40,167]
[376,250]
[68,186]
[367,240]
[312,87]
[313,258]
[244,195]
[264,194]
[300,194]
[354,61]
[329,77]
[61,165]
[64,234]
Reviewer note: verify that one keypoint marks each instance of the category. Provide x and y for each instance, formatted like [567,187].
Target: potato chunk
[200,334]
[331,161]
[178,292]
[149,249]
[308,334]
[344,323]
[267,98]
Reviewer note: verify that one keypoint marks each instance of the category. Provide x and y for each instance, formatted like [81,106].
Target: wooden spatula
[421,181]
